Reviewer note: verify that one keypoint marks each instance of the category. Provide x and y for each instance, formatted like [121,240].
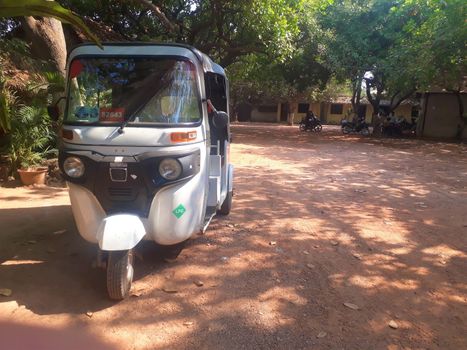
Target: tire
[302,127]
[346,129]
[119,274]
[171,252]
[365,131]
[318,128]
[227,205]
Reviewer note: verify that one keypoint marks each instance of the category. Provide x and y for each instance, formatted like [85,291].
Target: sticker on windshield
[111,114]
[179,211]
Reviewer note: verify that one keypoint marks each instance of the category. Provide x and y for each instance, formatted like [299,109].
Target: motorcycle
[359,127]
[399,128]
[310,123]
[144,148]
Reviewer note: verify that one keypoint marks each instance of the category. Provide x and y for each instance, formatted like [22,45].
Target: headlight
[73,167]
[170,169]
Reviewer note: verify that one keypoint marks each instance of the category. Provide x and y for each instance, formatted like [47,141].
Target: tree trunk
[376,122]
[356,95]
[292,110]
[47,40]
[396,102]
[375,119]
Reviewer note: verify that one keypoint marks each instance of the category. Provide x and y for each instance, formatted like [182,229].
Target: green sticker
[179,211]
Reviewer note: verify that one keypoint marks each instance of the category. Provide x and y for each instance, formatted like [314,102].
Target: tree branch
[394,97]
[401,99]
[159,14]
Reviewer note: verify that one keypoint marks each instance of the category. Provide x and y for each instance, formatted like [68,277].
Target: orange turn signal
[178,137]
[67,134]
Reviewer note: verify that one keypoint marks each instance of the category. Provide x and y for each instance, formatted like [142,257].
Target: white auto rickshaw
[144,148]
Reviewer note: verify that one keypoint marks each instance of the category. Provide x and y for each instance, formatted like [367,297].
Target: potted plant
[31,137]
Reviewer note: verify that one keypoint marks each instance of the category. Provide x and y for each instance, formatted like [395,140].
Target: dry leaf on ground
[352,306]
[5,292]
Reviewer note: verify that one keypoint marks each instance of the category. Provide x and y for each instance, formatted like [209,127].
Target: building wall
[323,111]
[401,111]
[315,107]
[440,117]
[260,116]
[333,118]
[404,111]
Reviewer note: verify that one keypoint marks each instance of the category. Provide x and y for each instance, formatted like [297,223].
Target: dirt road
[331,238]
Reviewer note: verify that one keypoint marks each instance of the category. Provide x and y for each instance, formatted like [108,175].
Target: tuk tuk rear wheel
[227,205]
[119,274]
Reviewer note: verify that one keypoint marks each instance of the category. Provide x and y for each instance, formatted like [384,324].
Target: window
[267,109]
[303,107]
[337,108]
[216,90]
[138,90]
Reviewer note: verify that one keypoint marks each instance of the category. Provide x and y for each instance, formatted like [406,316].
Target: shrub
[31,135]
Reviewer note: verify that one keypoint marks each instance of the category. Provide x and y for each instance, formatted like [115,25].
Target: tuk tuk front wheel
[119,274]
[227,205]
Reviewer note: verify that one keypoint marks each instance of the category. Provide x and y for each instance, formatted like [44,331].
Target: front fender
[120,232]
[231,175]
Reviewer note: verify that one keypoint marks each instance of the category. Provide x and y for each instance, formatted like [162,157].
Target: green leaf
[44,8]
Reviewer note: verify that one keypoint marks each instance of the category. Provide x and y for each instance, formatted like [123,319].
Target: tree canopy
[284,49]
[396,47]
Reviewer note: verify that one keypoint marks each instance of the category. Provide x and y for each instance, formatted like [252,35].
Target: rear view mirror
[53,112]
[220,119]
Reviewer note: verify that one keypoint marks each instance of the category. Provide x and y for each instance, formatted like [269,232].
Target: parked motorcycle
[359,127]
[310,123]
[399,128]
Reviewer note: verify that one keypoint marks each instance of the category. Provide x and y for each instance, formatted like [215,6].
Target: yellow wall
[336,118]
[403,110]
[314,107]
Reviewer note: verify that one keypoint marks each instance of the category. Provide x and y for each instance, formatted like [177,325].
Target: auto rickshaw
[144,148]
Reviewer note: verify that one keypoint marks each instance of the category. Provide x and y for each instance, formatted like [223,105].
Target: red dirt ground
[319,220]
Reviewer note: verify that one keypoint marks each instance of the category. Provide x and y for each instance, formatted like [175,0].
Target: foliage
[260,76]
[15,54]
[46,86]
[431,45]
[44,8]
[27,133]
[400,45]
[292,49]
[30,136]
[356,41]
[7,101]
[225,30]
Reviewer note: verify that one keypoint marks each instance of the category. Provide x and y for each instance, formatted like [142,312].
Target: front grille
[120,193]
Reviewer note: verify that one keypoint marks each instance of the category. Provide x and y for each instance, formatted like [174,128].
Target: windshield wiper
[125,123]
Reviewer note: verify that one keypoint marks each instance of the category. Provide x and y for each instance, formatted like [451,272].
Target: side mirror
[53,112]
[220,120]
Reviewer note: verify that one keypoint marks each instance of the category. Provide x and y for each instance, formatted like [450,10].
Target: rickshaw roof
[208,64]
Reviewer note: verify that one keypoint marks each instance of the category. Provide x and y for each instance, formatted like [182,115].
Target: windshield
[137,90]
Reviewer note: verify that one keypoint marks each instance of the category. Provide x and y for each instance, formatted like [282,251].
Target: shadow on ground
[319,220]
